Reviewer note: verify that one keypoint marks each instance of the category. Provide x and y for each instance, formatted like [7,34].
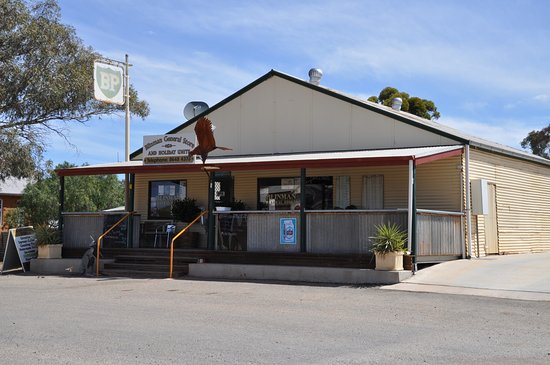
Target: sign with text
[168,149]
[287,231]
[20,249]
[108,83]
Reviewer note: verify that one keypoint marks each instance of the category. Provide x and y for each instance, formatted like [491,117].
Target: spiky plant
[389,238]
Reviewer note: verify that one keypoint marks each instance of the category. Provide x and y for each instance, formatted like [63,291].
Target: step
[149,268]
[126,258]
[140,274]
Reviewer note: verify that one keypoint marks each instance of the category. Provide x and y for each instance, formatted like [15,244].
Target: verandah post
[303,238]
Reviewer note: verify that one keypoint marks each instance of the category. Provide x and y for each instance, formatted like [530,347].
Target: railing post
[211,222]
[303,222]
[61,202]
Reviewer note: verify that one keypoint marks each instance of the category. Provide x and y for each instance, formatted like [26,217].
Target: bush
[185,210]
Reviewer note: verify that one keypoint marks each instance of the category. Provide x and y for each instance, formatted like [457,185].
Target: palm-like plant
[389,238]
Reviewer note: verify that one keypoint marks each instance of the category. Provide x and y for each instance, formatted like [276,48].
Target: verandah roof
[380,157]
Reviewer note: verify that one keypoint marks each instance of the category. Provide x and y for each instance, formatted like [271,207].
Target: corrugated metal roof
[355,158]
[13,186]
[414,120]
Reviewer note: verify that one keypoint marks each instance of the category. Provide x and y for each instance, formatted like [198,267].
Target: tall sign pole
[127,92]
[112,85]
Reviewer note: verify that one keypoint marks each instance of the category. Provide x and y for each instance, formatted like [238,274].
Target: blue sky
[484,63]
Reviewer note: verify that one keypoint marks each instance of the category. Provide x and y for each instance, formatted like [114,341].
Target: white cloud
[507,132]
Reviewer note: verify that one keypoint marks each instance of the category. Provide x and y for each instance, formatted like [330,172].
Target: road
[58,320]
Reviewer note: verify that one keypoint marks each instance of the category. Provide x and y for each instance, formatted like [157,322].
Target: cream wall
[522,198]
[438,184]
[281,116]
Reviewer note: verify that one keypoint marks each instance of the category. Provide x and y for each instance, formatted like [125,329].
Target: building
[11,191]
[359,164]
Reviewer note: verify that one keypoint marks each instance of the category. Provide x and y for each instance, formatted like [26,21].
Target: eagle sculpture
[205,140]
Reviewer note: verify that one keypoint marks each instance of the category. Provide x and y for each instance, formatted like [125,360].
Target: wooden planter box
[49,251]
[391,261]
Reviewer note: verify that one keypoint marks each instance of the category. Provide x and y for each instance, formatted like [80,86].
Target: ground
[59,320]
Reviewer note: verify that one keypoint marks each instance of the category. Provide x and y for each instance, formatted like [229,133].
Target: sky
[485,63]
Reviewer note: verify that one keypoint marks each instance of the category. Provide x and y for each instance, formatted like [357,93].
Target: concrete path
[525,276]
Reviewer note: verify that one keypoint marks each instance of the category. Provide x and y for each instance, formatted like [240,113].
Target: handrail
[103,235]
[176,236]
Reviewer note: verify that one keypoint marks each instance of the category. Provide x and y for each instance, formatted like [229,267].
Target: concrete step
[155,259]
[147,268]
[140,273]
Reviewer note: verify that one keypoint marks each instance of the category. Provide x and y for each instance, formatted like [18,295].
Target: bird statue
[205,140]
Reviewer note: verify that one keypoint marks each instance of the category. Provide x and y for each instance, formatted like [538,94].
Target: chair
[166,229]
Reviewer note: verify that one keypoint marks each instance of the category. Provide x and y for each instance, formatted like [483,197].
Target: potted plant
[48,240]
[388,246]
[185,210]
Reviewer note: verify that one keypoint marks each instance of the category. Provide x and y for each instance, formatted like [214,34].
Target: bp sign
[108,83]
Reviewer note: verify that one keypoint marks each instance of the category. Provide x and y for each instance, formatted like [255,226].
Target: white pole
[410,208]
[468,203]
[127,92]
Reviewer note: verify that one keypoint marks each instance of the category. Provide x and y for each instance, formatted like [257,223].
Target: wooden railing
[176,237]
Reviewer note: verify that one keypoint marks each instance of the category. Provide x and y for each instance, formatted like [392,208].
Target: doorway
[491,222]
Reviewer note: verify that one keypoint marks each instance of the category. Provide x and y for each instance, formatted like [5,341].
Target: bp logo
[108,85]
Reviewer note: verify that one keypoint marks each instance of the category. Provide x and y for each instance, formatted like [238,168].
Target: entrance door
[491,223]
[223,189]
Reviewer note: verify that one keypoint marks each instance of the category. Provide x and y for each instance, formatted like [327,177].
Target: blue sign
[287,231]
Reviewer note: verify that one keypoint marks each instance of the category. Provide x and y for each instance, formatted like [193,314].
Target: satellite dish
[194,108]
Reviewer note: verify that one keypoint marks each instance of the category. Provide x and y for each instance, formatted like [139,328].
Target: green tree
[414,105]
[538,142]
[46,76]
[40,200]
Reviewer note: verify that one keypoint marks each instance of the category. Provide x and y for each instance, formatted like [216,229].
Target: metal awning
[380,157]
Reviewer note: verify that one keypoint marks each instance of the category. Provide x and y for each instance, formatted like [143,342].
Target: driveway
[524,276]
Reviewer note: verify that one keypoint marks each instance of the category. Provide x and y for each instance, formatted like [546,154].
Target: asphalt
[522,276]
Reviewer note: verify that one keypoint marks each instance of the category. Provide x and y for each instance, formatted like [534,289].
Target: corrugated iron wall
[522,198]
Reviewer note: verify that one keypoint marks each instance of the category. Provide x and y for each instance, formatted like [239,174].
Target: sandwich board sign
[20,249]
[108,83]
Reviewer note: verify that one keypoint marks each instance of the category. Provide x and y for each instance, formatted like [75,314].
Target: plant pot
[49,251]
[390,261]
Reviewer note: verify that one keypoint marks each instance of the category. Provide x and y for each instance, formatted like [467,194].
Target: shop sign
[20,249]
[168,149]
[108,83]
[287,231]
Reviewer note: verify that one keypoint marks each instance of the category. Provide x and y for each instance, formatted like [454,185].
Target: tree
[46,76]
[414,105]
[40,200]
[538,142]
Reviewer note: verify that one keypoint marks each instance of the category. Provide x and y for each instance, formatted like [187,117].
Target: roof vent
[396,103]
[315,75]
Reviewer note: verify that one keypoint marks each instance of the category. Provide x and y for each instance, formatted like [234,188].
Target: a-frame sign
[20,249]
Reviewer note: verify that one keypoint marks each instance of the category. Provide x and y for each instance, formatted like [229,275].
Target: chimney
[396,103]
[315,75]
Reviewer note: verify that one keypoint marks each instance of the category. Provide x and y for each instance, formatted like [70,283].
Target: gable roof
[13,186]
[407,118]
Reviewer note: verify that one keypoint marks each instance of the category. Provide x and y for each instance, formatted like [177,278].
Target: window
[341,192]
[161,196]
[283,193]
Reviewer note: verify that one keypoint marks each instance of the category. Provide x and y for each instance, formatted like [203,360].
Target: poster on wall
[287,231]
[20,249]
